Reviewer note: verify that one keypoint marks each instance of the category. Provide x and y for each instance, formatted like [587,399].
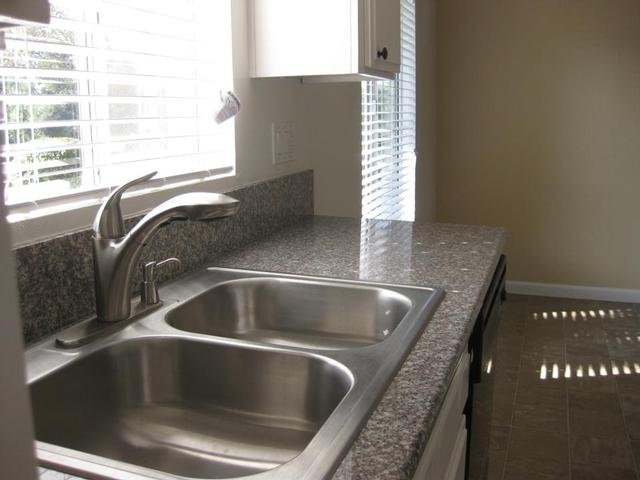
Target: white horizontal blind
[389,134]
[113,89]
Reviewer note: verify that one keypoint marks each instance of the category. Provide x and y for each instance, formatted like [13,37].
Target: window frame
[33,226]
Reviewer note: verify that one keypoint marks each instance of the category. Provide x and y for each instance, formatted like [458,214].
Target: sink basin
[239,374]
[187,407]
[291,312]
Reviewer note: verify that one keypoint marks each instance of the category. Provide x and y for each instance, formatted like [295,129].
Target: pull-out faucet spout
[117,253]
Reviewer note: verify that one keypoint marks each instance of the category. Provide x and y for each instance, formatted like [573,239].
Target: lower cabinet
[444,456]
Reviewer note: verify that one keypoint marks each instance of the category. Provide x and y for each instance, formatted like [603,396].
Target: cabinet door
[299,38]
[448,437]
[382,35]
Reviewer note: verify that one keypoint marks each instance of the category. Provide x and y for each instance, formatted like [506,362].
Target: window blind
[389,134]
[113,89]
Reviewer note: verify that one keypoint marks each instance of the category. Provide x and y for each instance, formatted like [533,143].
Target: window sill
[32,223]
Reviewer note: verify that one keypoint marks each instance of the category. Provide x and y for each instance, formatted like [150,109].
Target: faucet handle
[149,289]
[109,222]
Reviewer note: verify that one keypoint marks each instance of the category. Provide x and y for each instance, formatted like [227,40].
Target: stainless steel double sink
[239,374]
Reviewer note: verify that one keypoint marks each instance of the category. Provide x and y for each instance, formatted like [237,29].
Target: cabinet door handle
[384,53]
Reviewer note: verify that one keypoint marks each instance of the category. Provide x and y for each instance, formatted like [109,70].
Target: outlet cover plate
[283,142]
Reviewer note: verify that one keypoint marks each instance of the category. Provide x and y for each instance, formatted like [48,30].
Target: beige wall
[263,101]
[426,102]
[334,149]
[539,130]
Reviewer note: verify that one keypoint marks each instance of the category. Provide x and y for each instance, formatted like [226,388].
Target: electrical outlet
[283,142]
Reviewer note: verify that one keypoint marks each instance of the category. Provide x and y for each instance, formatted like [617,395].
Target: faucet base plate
[90,329]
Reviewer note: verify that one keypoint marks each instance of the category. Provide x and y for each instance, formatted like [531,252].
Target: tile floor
[567,391]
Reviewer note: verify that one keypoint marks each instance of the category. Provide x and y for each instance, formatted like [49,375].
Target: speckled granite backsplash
[55,277]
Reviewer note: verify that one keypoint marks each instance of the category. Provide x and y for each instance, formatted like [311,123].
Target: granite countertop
[459,258]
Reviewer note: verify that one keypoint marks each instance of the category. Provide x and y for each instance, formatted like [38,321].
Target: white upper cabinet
[325,40]
[382,35]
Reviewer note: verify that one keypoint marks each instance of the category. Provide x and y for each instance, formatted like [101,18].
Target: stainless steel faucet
[117,253]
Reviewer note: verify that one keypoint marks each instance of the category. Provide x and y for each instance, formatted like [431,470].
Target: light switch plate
[283,142]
